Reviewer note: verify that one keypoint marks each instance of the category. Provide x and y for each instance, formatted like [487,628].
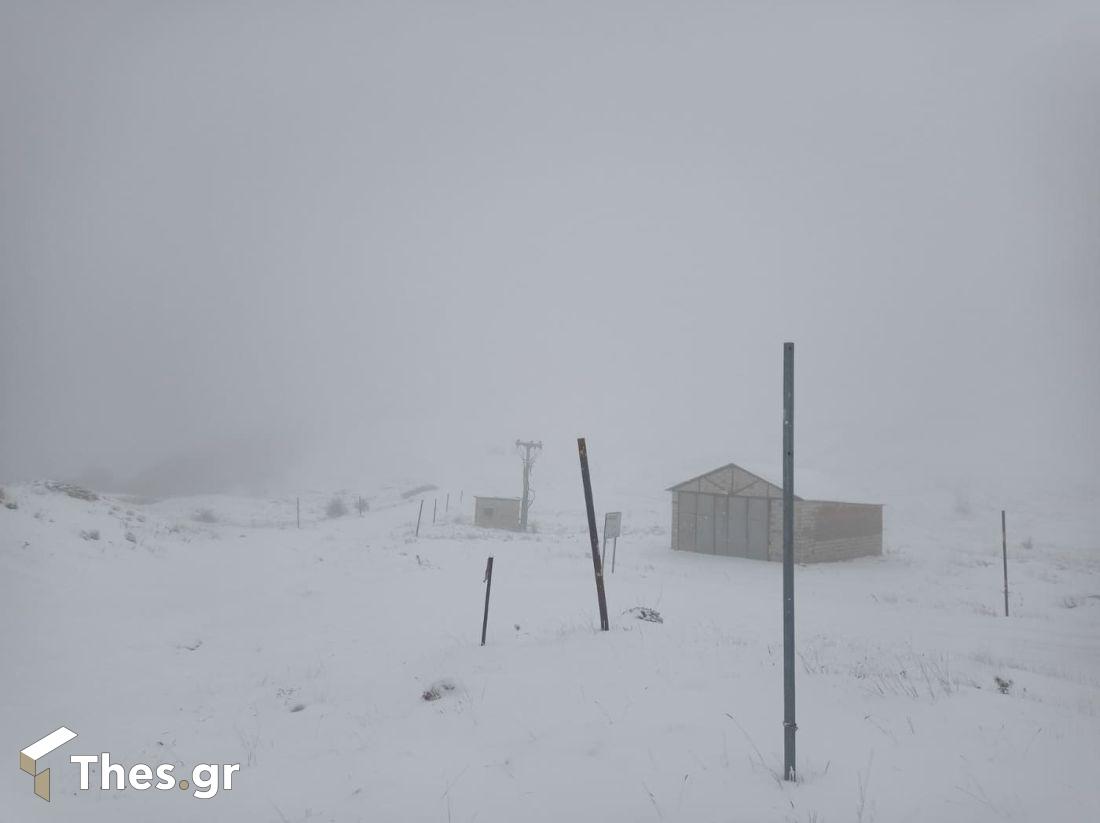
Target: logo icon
[29,757]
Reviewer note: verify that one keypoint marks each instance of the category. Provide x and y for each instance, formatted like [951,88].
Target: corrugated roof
[680,485]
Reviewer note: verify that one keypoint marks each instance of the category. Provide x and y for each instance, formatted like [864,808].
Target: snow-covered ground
[304,654]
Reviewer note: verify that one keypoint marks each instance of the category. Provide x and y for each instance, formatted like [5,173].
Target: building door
[721,525]
[685,522]
[704,523]
[737,530]
[758,527]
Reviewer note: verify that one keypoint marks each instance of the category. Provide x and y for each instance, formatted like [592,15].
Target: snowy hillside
[211,630]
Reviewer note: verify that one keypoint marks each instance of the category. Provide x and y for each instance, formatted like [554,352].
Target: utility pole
[530,452]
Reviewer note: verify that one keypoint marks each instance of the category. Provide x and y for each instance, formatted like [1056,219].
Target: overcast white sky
[390,236]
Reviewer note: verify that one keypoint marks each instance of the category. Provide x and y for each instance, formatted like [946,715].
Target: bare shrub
[71,489]
[90,534]
[206,516]
[915,676]
[437,690]
[336,508]
[645,613]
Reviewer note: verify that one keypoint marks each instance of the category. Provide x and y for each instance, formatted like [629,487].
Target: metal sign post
[789,725]
[612,526]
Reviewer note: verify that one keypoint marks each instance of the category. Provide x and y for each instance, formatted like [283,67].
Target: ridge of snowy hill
[211,629]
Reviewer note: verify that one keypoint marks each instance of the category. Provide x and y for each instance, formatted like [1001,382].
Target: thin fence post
[298,511]
[420,512]
[448,508]
[1004,555]
[593,536]
[435,505]
[488,587]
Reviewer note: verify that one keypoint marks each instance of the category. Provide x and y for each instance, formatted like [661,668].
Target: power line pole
[530,452]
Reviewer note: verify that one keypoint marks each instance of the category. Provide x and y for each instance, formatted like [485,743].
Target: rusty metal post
[596,564]
[488,587]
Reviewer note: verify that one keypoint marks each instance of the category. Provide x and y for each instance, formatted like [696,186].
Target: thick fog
[311,243]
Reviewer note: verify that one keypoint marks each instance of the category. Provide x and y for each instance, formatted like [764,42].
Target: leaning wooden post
[593,536]
[488,587]
[1004,555]
[420,512]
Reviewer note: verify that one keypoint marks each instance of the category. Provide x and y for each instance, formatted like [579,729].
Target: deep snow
[303,655]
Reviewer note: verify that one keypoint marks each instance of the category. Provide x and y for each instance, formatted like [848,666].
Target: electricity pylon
[530,449]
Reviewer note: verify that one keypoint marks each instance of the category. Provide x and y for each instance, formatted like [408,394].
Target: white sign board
[612,524]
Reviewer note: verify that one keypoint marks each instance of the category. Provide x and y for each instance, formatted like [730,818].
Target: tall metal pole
[596,564]
[1004,554]
[789,725]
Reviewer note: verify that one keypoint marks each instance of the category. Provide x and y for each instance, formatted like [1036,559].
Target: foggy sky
[357,238]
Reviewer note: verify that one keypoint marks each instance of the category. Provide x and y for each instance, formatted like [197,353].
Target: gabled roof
[756,477]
